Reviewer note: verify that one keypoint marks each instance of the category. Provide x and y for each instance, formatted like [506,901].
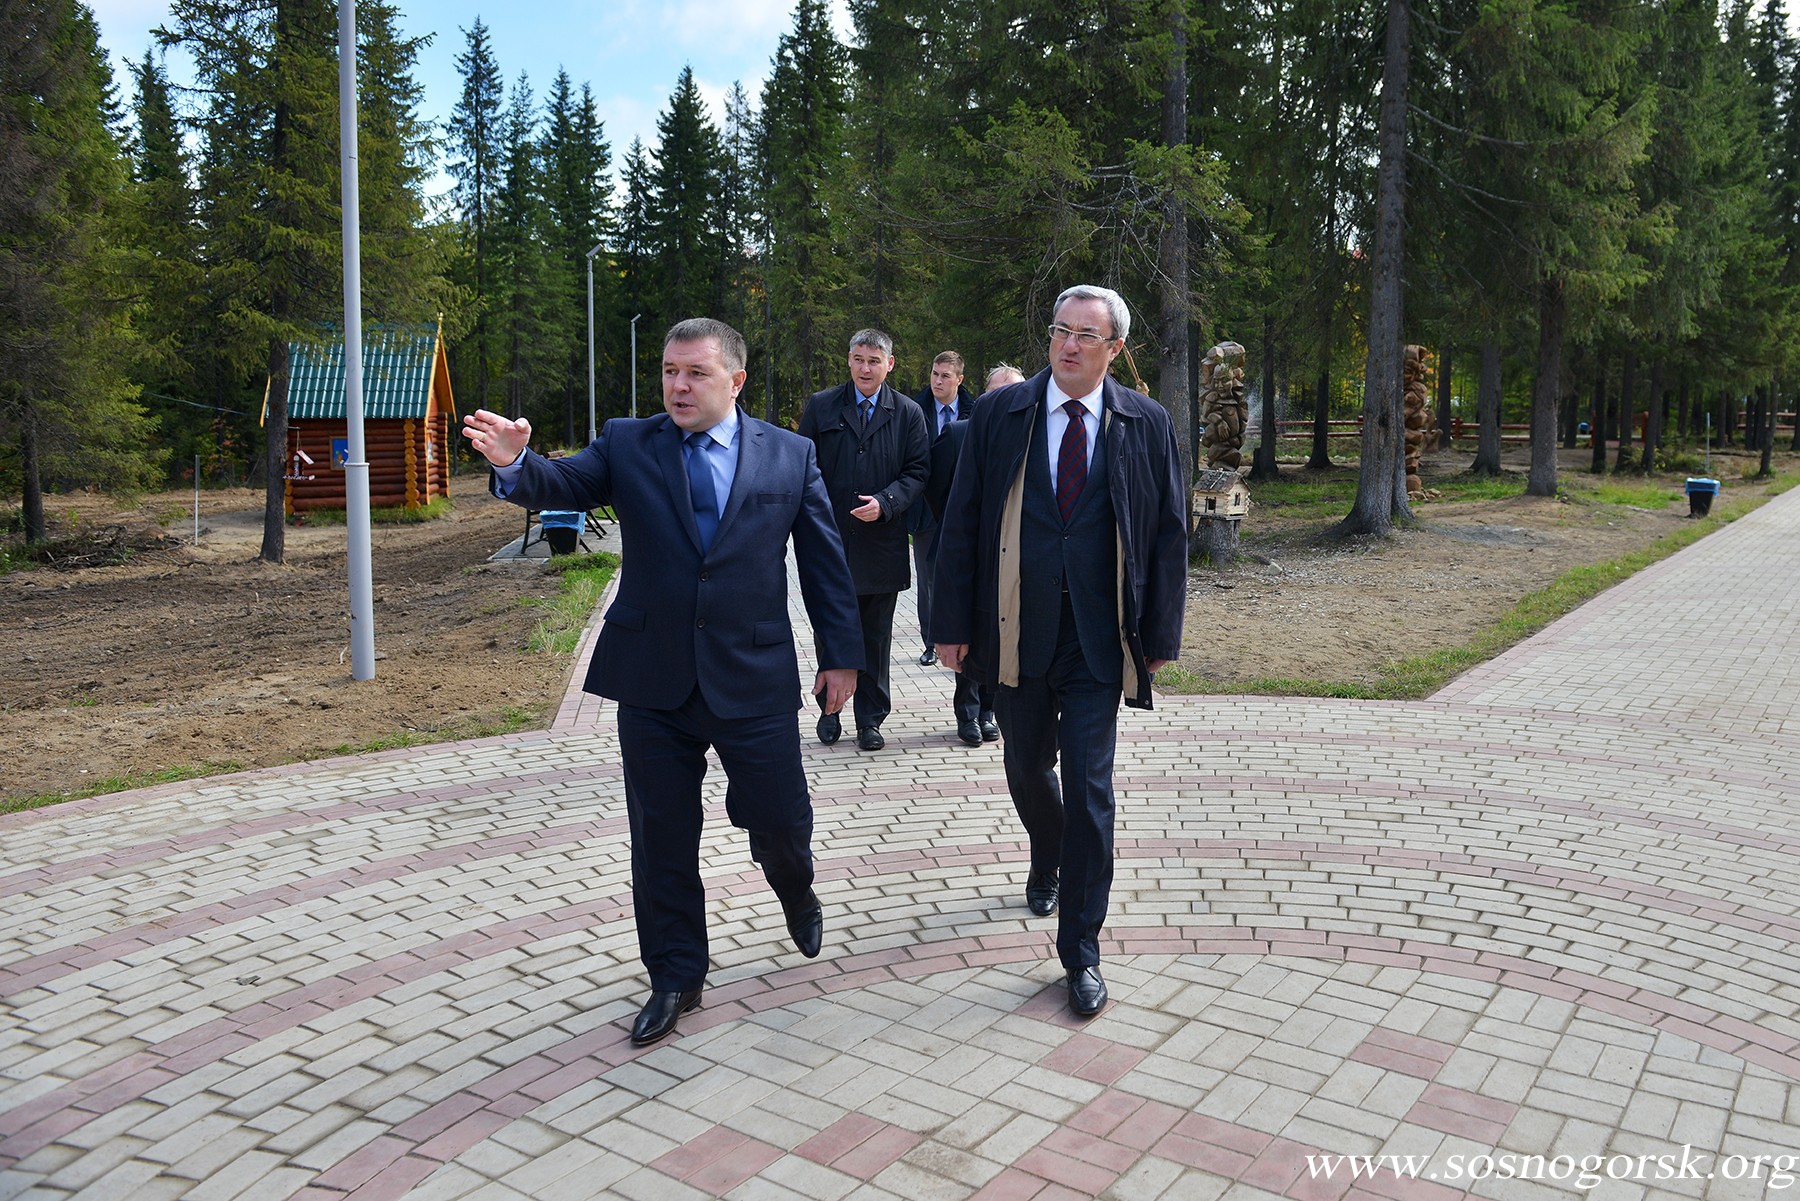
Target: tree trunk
[1683,415]
[1487,410]
[1653,418]
[36,528]
[1262,465]
[1768,443]
[1597,415]
[1627,397]
[1553,308]
[1320,459]
[1569,412]
[274,542]
[1381,481]
[1172,257]
[1443,397]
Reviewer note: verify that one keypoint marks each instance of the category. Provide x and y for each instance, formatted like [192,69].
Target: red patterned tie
[1071,464]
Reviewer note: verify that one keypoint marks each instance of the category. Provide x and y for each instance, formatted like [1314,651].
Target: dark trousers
[971,701]
[664,756]
[873,700]
[1066,712]
[924,543]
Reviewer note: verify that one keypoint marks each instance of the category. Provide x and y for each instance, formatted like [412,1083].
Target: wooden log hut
[409,418]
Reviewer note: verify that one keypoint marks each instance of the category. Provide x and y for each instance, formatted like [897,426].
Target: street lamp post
[634,322]
[357,543]
[593,432]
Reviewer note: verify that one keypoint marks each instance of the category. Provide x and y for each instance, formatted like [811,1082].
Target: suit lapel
[681,500]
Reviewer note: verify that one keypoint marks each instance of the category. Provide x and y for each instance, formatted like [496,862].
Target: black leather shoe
[1040,892]
[929,657]
[1087,991]
[657,1019]
[806,922]
[869,738]
[830,728]
[969,732]
[990,729]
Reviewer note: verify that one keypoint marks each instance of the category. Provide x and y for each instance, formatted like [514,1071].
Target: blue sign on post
[340,453]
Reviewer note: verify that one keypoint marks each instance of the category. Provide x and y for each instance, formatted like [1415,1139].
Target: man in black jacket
[1062,577]
[943,400]
[875,456]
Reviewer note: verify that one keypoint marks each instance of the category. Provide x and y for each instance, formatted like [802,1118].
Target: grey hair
[1115,305]
[872,337]
[996,369]
[700,329]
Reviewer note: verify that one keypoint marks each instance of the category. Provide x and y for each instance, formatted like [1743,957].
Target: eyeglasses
[1082,337]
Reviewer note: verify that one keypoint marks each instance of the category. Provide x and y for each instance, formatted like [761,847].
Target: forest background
[1591,212]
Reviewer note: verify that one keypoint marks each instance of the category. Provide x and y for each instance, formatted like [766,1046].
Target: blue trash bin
[562,530]
[1700,493]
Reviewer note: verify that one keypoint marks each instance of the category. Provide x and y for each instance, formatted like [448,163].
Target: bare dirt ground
[1320,609]
[183,657]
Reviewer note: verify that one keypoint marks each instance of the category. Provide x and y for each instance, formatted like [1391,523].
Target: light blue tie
[701,490]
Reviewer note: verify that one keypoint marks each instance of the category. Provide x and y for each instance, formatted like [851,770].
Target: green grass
[136,779]
[1422,675]
[584,578]
[438,507]
[1470,486]
[512,719]
[1638,496]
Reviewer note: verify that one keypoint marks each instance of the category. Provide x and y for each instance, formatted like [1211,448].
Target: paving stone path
[1551,912]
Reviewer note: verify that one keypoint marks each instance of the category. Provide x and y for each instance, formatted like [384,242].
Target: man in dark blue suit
[943,401]
[1062,577]
[697,647]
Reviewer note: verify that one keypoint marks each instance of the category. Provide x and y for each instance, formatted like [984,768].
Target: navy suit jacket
[718,619]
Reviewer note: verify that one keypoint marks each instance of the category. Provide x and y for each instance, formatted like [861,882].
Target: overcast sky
[630,51]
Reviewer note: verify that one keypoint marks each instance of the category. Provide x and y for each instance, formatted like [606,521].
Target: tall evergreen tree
[578,206]
[476,155]
[66,338]
[638,266]
[685,204]
[803,105]
[269,188]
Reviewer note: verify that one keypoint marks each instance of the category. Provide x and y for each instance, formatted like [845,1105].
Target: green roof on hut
[397,367]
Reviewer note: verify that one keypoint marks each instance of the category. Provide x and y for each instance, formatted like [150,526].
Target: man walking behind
[1061,577]
[874,455]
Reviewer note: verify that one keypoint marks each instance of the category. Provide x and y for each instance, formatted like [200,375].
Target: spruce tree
[803,104]
[639,269]
[685,203]
[476,154]
[66,338]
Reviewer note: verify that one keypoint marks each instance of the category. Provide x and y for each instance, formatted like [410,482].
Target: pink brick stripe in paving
[1551,910]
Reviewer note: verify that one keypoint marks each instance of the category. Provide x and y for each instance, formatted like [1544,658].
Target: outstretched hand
[499,440]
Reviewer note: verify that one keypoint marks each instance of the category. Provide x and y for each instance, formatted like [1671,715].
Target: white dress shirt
[1058,423]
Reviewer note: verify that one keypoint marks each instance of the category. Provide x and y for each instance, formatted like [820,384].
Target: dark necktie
[868,412]
[700,488]
[1071,463]
[945,413]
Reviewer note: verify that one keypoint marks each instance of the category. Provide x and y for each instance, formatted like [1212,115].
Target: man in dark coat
[874,455]
[697,647]
[942,401]
[1062,577]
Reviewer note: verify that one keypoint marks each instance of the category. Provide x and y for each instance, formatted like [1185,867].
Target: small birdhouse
[1220,494]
